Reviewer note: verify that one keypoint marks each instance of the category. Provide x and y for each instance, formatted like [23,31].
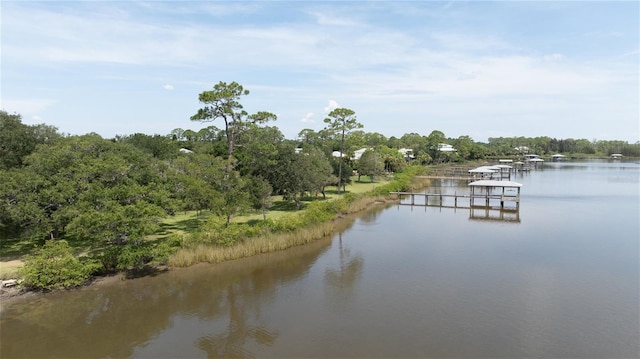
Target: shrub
[134,257]
[53,266]
[128,257]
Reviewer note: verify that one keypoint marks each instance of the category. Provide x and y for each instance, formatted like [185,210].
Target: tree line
[115,191]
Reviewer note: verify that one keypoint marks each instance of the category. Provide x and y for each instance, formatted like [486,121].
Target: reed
[273,241]
[270,242]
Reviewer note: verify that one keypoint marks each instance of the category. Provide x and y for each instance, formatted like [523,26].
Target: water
[560,280]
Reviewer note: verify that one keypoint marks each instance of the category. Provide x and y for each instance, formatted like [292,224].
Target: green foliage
[133,257]
[340,122]
[18,140]
[101,191]
[223,102]
[370,164]
[54,266]
[158,146]
[319,211]
[216,231]
[402,181]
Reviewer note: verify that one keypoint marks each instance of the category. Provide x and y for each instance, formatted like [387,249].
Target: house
[444,147]
[358,153]
[407,153]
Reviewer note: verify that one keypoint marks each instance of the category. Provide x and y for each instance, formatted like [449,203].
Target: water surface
[562,280]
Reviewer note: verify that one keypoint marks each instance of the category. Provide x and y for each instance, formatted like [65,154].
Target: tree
[261,192]
[257,150]
[316,170]
[393,160]
[158,146]
[375,139]
[54,266]
[223,103]
[87,187]
[308,137]
[370,164]
[341,121]
[18,140]
[297,173]
[433,140]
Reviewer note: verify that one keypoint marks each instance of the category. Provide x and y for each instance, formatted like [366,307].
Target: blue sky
[483,69]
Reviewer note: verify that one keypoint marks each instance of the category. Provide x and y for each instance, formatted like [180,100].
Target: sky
[563,69]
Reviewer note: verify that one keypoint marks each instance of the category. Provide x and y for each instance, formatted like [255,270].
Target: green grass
[15,248]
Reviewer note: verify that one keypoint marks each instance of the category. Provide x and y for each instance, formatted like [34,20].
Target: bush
[128,257]
[53,266]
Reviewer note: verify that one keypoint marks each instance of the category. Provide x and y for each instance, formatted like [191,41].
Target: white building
[444,147]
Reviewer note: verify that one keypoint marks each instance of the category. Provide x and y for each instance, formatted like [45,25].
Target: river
[559,279]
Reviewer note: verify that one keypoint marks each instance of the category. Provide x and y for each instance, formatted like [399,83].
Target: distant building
[407,153]
[444,147]
[358,153]
[185,150]
[616,156]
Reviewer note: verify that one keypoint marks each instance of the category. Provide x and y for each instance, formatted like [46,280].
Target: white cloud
[553,57]
[308,118]
[26,107]
[467,42]
[332,19]
[331,106]
[388,63]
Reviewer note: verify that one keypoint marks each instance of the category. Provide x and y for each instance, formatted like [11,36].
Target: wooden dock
[470,174]
[483,194]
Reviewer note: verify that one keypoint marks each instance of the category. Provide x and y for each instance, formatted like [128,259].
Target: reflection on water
[395,282]
[118,320]
[340,281]
[490,214]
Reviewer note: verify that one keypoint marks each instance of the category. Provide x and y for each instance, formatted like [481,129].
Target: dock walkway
[489,193]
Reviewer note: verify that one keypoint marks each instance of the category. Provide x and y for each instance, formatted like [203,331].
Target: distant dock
[503,170]
[483,194]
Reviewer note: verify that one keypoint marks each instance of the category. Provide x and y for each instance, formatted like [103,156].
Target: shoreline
[17,292]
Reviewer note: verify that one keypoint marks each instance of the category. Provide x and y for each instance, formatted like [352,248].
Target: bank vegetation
[73,207]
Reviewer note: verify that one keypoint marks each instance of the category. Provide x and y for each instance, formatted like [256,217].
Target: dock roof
[495,183]
[483,169]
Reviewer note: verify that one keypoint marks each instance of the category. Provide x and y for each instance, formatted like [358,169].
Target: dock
[483,194]
[503,170]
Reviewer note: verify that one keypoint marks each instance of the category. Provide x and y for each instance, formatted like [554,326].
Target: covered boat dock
[492,190]
[483,194]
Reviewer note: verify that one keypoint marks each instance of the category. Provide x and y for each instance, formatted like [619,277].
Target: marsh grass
[273,241]
[318,220]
